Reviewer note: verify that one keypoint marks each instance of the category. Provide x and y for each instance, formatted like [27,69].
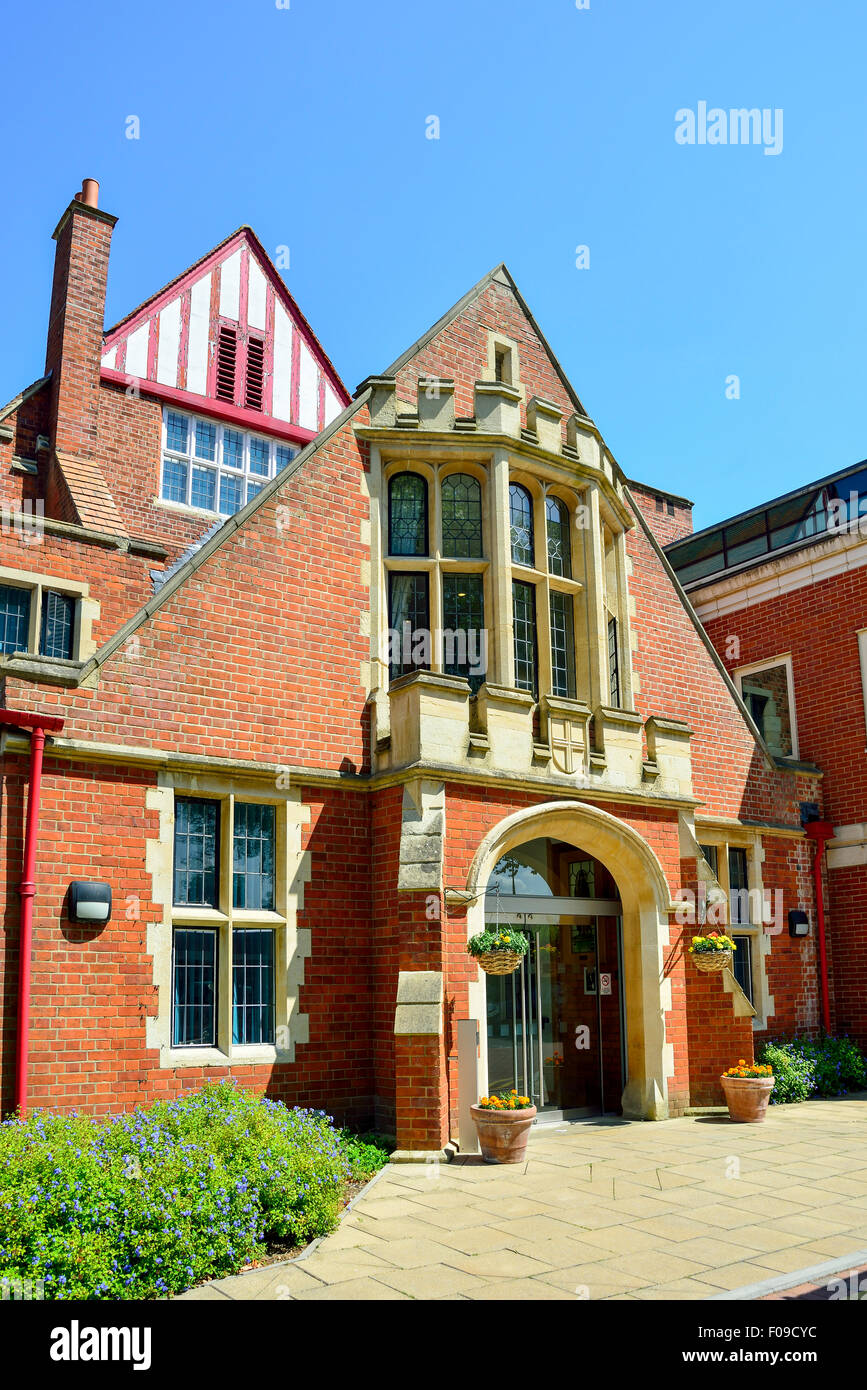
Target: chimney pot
[89,193]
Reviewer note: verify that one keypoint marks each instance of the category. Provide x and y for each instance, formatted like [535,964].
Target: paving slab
[626,1211]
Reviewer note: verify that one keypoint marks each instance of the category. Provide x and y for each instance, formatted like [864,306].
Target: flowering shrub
[146,1204]
[794,1075]
[506,1100]
[830,1066]
[498,939]
[715,942]
[751,1070]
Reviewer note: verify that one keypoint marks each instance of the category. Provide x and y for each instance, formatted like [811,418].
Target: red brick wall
[669,518]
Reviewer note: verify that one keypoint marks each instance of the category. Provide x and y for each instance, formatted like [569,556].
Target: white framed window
[213,467]
[768,691]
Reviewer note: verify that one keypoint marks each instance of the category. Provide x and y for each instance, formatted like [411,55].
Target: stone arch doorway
[645,902]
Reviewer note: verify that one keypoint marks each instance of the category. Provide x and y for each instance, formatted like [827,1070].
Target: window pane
[524,622]
[252,986]
[253,857]
[174,480]
[742,965]
[58,619]
[14,618]
[260,454]
[233,449]
[562,645]
[253,490]
[194,987]
[177,429]
[407,515]
[559,542]
[613,664]
[739,901]
[464,637]
[203,490]
[710,854]
[766,696]
[206,440]
[231,494]
[521,522]
[409,623]
[196,843]
[461,497]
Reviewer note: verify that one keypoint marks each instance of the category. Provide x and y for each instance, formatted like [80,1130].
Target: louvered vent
[255,374]
[227,351]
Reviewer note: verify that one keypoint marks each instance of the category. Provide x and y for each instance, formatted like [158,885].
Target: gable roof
[169,344]
[502,276]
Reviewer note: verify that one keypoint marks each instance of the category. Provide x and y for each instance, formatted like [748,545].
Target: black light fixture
[89,903]
[799,923]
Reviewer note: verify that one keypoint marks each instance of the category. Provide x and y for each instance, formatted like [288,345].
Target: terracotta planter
[711,961]
[747,1097]
[503,1134]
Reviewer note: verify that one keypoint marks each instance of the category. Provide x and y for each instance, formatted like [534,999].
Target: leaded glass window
[409,623]
[613,664]
[253,856]
[742,965]
[14,618]
[462,517]
[58,621]
[562,645]
[194,987]
[196,843]
[524,625]
[521,523]
[464,637]
[559,543]
[407,515]
[252,986]
[213,467]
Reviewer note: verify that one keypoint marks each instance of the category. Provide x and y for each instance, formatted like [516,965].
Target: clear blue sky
[557,130]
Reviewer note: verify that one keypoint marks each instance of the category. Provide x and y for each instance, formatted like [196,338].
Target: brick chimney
[76,321]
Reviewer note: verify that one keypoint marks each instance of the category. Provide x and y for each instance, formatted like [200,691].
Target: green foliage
[825,1066]
[146,1204]
[498,939]
[793,1074]
[365,1154]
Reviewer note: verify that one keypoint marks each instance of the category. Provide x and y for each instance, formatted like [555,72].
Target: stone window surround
[756,666]
[86,609]
[725,838]
[293,944]
[495,470]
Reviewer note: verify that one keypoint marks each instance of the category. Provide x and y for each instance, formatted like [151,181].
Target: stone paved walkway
[682,1209]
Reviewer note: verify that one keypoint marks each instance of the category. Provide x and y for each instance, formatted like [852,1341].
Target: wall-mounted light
[799,923]
[89,902]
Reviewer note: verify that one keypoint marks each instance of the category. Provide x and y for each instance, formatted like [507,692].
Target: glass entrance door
[554,1026]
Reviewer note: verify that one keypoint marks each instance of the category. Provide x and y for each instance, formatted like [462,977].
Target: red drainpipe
[39,725]
[821,831]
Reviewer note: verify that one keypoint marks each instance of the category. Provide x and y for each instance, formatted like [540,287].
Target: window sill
[255,1055]
[253,915]
[187,510]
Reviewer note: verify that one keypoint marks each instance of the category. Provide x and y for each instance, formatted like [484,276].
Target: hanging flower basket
[712,953]
[499,962]
[499,950]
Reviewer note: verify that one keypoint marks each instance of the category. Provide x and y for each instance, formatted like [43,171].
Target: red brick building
[340,681]
[782,592]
